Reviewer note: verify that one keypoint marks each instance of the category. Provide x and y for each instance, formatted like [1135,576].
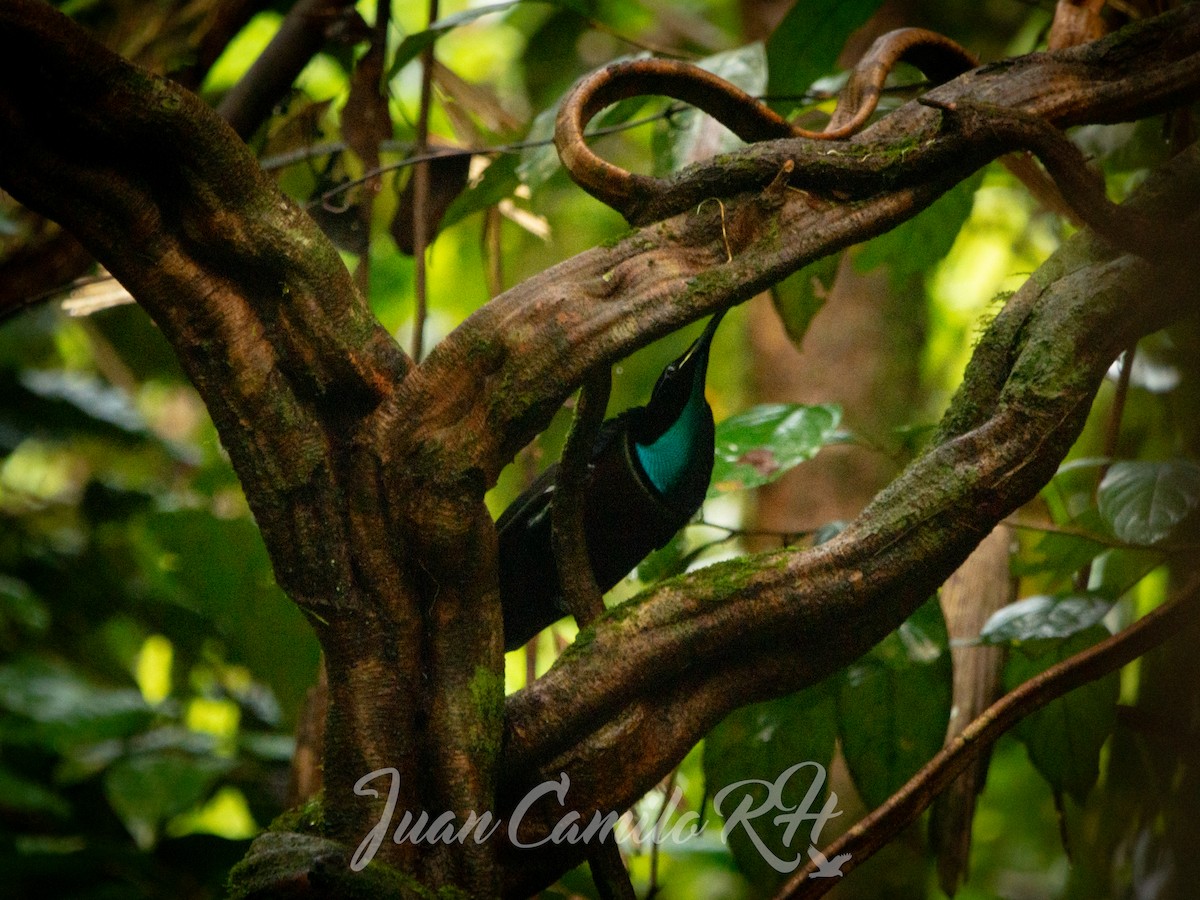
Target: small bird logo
[826,868]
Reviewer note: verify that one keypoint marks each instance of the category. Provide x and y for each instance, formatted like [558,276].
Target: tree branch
[302,33]
[674,272]
[902,809]
[30,275]
[583,596]
[367,474]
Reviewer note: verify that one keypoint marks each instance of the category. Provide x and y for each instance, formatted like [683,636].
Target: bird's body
[648,475]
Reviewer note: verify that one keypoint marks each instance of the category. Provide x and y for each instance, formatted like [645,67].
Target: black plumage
[648,475]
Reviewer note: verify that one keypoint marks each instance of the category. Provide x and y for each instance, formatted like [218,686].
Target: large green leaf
[914,247]
[1057,554]
[1064,737]
[689,135]
[50,705]
[146,789]
[761,444]
[1143,501]
[539,159]
[786,743]
[807,43]
[1044,617]
[499,181]
[894,704]
[800,296]
[219,568]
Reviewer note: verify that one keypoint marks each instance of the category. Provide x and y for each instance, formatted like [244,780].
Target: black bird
[648,475]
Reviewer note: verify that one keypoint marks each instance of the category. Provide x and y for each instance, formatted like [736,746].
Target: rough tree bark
[366,472]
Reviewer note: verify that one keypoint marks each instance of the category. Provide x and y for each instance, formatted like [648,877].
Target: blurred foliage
[151,672]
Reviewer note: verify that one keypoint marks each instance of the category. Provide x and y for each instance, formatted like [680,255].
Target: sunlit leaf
[1043,617]
[146,789]
[1143,501]
[767,742]
[894,704]
[761,444]
[1065,736]
[1116,571]
[413,44]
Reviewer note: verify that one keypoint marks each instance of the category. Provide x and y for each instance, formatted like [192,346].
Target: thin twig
[371,67]
[656,832]
[303,154]
[902,808]
[576,578]
[249,102]
[421,196]
[578,582]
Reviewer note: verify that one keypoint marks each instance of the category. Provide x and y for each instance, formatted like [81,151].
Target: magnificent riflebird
[648,474]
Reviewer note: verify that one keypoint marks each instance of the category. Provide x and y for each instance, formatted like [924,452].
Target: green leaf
[51,706]
[1064,737]
[20,608]
[894,705]
[1044,617]
[1116,571]
[761,444]
[764,742]
[1057,554]
[800,296]
[25,797]
[146,789]
[87,394]
[914,247]
[65,405]
[499,181]
[219,568]
[1142,502]
[807,43]
[665,562]
[412,45]
[690,134]
[539,159]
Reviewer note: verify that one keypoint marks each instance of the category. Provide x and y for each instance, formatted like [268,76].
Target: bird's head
[680,384]
[683,379]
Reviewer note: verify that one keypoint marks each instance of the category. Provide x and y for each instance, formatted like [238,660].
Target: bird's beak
[704,340]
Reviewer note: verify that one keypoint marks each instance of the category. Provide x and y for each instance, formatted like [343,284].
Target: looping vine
[935,55]
[991,128]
